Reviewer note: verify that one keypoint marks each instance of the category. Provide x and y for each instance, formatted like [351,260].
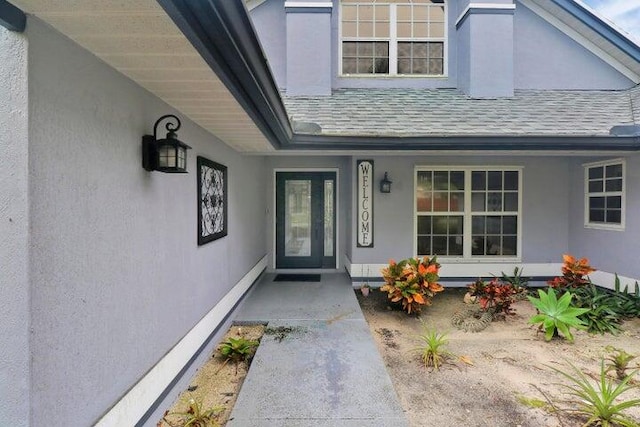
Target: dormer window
[393,38]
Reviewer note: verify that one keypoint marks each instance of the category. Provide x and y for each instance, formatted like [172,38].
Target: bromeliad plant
[600,404]
[412,282]
[618,360]
[556,314]
[574,273]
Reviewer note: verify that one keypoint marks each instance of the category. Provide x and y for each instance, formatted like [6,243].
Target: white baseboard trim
[471,270]
[607,280]
[133,405]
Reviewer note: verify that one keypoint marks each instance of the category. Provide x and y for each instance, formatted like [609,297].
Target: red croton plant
[495,295]
[574,272]
[412,281]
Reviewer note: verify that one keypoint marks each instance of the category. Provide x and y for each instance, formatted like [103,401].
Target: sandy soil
[216,384]
[509,359]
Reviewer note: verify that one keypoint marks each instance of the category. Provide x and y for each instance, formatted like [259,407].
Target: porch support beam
[11,17]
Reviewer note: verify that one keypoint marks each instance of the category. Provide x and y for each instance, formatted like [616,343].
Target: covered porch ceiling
[204,59]
[139,39]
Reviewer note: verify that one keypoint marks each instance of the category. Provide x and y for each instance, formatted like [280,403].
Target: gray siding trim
[505,10]
[11,17]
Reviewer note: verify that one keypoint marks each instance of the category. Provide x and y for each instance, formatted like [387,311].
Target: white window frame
[604,193]
[468,214]
[393,40]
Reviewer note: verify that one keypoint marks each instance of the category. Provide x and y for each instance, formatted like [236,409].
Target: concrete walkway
[317,364]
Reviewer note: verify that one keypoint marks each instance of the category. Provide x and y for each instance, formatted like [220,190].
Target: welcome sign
[365,203]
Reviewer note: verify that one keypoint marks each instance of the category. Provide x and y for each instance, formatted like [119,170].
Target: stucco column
[14,229]
[308,47]
[485,35]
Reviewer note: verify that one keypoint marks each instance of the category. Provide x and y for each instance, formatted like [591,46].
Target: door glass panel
[297,237]
[328,218]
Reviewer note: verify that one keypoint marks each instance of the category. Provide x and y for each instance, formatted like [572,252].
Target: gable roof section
[223,35]
[533,120]
[592,31]
[447,112]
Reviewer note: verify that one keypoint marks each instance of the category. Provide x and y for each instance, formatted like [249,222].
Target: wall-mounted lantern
[165,155]
[385,184]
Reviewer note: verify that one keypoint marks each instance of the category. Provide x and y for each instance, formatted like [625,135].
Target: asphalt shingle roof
[448,112]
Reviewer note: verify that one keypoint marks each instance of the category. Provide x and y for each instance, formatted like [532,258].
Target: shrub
[495,296]
[412,282]
[519,283]
[574,272]
[605,309]
[556,315]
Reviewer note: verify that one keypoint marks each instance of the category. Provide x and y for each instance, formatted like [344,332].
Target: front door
[305,220]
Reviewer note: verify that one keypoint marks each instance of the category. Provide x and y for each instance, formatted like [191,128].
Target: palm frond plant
[600,402]
[556,314]
[618,360]
[432,349]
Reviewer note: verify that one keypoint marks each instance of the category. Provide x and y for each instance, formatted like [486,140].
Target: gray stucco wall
[308,163]
[269,22]
[544,212]
[607,250]
[117,277]
[14,229]
[546,58]
[543,56]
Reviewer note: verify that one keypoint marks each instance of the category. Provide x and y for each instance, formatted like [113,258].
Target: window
[393,37]
[604,194]
[468,212]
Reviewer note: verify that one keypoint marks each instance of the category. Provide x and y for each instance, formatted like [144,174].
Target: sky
[624,13]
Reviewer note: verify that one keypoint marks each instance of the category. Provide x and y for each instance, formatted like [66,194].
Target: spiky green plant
[432,349]
[599,403]
[238,349]
[556,314]
[195,416]
[618,360]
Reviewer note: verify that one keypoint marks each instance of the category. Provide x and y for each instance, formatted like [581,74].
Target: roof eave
[473,143]
[11,17]
[222,32]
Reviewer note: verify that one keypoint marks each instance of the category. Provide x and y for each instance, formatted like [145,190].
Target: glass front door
[305,219]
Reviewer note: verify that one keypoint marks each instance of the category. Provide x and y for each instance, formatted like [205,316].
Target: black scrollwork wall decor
[212,200]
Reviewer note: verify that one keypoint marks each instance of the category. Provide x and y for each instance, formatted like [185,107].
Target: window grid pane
[419,27]
[493,214]
[604,189]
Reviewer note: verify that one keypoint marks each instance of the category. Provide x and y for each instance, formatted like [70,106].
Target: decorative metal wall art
[212,200]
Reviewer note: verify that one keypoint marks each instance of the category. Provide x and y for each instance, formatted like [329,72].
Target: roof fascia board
[11,17]
[474,143]
[222,32]
[580,39]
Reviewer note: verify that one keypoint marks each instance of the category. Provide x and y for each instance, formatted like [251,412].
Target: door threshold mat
[297,278]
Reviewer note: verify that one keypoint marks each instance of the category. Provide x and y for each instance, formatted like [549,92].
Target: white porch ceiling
[137,38]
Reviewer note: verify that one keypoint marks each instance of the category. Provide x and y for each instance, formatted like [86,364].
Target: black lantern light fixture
[385,184]
[165,155]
